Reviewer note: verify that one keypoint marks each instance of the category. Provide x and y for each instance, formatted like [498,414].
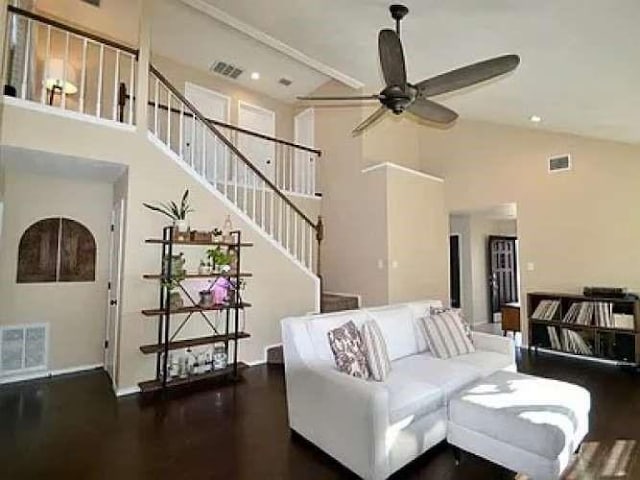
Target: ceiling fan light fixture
[255,75]
[535,118]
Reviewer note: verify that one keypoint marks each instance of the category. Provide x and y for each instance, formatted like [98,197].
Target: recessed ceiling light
[535,118]
[255,76]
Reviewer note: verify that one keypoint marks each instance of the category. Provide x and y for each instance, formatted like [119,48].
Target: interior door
[503,272]
[304,134]
[454,270]
[209,154]
[113,297]
[261,153]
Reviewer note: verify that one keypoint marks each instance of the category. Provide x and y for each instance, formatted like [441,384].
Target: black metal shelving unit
[166,340]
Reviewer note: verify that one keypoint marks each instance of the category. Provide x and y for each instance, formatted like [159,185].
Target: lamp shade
[56,76]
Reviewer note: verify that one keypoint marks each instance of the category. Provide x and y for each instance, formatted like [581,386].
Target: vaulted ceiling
[579,72]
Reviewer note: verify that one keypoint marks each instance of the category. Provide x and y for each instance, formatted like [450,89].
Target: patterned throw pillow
[446,336]
[348,350]
[376,351]
[457,311]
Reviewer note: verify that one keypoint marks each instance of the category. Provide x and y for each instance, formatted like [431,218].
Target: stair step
[338,303]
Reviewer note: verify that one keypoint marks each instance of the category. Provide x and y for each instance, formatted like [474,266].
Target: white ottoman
[527,424]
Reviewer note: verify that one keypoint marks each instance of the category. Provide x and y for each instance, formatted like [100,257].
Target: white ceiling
[579,72]
[196,39]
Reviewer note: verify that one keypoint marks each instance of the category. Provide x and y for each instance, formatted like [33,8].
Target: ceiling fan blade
[392,58]
[467,76]
[432,111]
[355,97]
[370,120]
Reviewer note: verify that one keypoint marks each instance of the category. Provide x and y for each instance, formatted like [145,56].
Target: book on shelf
[572,342]
[599,314]
[623,321]
[546,309]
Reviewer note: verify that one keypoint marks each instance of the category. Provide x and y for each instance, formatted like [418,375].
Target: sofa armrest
[494,343]
[345,416]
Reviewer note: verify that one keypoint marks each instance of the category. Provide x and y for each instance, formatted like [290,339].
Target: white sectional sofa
[375,428]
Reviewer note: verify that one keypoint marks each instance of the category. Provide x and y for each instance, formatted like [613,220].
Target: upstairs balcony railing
[53,64]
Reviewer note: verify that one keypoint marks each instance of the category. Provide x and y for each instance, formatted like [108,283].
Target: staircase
[332,302]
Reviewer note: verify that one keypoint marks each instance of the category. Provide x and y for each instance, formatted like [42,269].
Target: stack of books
[546,310]
[568,341]
[590,313]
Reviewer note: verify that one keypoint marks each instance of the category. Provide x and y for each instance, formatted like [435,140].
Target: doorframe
[460,270]
[242,104]
[516,272]
[114,344]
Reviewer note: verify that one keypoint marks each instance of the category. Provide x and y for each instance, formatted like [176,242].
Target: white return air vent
[23,348]
[560,163]
[226,69]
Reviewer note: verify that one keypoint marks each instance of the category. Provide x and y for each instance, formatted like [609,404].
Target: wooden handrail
[217,123]
[230,145]
[73,30]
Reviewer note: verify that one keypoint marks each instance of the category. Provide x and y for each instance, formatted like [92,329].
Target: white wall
[75,311]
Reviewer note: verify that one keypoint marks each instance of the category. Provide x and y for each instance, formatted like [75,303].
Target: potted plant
[216,235]
[178,274]
[219,258]
[205,267]
[177,213]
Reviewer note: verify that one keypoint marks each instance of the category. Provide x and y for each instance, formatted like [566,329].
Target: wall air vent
[95,3]
[23,348]
[561,163]
[285,81]
[226,69]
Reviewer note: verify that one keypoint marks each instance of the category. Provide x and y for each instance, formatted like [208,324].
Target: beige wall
[279,287]
[578,228]
[75,312]
[417,229]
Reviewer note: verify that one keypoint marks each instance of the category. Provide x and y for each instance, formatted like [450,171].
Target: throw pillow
[445,335]
[458,311]
[348,350]
[376,351]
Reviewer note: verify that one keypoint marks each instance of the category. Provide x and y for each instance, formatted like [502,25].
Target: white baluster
[83,76]
[116,78]
[25,73]
[45,69]
[155,107]
[295,234]
[227,159]
[192,146]
[245,187]
[99,94]
[181,133]
[254,184]
[310,249]
[65,71]
[263,210]
[273,214]
[204,151]
[168,136]
[312,185]
[132,88]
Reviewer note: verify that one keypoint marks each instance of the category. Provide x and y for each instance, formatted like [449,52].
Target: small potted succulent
[219,259]
[177,213]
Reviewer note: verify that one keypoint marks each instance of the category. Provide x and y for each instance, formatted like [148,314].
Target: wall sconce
[56,80]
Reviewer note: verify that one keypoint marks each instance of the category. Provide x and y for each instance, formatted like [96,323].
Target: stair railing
[64,67]
[198,142]
[293,165]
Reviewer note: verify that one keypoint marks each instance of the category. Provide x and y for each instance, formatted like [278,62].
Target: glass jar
[219,357]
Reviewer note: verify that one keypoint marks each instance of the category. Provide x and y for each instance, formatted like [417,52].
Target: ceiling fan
[400,96]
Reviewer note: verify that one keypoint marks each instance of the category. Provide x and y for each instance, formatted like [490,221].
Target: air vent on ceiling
[561,163]
[285,81]
[95,3]
[226,69]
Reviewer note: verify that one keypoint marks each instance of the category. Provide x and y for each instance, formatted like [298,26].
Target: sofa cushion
[485,363]
[421,383]
[348,350]
[419,310]
[375,351]
[318,327]
[446,335]
[396,325]
[535,414]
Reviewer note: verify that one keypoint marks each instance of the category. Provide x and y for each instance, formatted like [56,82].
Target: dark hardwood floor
[73,428]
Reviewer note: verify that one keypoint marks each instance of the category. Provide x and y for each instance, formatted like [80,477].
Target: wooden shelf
[193,342]
[156,385]
[204,243]
[157,276]
[577,326]
[192,309]
[576,296]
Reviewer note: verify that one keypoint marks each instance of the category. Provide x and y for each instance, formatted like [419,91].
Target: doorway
[304,134]
[261,153]
[454,270]
[113,292]
[503,273]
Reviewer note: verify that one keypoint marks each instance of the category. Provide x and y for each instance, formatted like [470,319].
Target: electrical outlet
[530,267]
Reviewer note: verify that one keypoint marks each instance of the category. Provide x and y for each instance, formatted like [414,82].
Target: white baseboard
[121,392]
[49,373]
[579,357]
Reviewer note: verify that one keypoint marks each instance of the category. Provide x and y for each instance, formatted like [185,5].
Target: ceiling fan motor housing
[397,99]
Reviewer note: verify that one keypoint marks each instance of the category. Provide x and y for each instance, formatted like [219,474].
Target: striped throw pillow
[446,336]
[376,351]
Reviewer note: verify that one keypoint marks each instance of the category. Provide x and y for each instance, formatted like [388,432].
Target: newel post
[144,59]
[319,238]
